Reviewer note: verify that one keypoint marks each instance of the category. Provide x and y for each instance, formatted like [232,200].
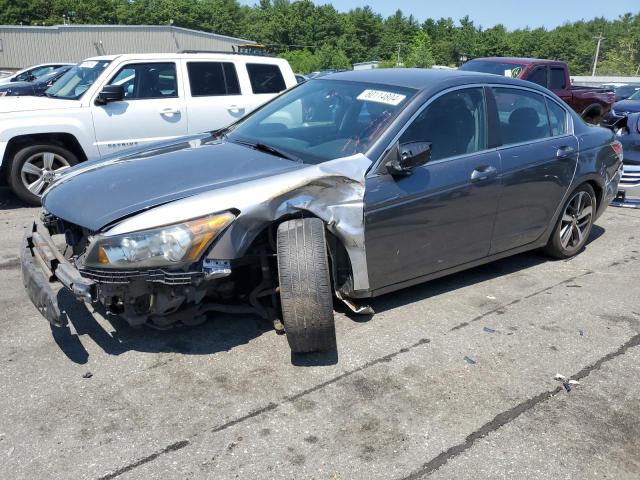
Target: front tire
[305,286]
[33,168]
[574,225]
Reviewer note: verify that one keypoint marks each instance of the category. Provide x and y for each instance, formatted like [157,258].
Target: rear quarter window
[265,78]
[208,79]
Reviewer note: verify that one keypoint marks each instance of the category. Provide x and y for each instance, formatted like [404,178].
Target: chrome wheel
[576,220]
[39,170]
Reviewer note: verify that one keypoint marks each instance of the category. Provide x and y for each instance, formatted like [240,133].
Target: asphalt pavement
[452,379]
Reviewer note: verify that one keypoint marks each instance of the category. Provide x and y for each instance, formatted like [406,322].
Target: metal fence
[24,46]
[602,80]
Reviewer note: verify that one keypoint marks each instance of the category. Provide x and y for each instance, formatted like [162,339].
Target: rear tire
[574,224]
[305,286]
[32,167]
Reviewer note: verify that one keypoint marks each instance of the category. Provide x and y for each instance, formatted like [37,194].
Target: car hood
[628,106]
[29,104]
[18,87]
[98,193]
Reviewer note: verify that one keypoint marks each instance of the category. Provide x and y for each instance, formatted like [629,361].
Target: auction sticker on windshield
[88,64]
[380,96]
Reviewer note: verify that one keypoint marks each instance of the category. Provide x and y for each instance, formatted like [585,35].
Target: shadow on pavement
[223,332]
[465,278]
[220,333]
[8,200]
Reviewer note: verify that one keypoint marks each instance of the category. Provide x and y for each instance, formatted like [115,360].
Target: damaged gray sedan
[349,186]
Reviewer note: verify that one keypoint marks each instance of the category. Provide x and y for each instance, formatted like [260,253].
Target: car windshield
[635,96]
[53,74]
[323,120]
[505,69]
[76,81]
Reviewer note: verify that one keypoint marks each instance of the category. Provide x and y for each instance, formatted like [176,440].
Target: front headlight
[168,246]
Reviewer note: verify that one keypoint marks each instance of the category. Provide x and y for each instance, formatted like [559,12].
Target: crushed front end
[156,277]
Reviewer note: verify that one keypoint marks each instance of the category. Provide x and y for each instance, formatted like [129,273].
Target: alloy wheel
[39,170]
[576,220]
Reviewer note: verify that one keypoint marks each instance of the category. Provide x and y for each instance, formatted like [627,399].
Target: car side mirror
[110,93]
[409,156]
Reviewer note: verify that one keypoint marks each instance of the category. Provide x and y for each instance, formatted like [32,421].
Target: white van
[109,103]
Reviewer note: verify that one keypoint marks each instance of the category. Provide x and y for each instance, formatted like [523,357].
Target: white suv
[110,103]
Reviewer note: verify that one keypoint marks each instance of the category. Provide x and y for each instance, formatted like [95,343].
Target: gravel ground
[450,379]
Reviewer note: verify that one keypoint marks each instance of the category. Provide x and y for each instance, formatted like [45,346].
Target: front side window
[147,80]
[539,76]
[208,79]
[322,120]
[558,79]
[265,78]
[522,114]
[455,124]
[78,79]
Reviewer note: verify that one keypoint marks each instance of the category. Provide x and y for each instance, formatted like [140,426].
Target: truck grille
[127,276]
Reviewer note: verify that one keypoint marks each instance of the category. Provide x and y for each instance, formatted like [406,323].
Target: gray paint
[24,46]
[397,231]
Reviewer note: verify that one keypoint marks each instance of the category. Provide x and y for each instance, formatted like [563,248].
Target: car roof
[424,79]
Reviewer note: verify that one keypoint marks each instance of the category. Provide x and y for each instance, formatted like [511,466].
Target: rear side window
[522,114]
[558,79]
[208,79]
[557,118]
[265,78]
[454,123]
[147,80]
[539,76]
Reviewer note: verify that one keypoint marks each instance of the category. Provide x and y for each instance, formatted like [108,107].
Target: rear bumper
[44,269]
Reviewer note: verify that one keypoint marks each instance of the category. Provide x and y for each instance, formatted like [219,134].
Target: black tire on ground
[59,156]
[574,223]
[305,286]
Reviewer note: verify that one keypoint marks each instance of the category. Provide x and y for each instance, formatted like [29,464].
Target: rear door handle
[169,112]
[483,172]
[564,152]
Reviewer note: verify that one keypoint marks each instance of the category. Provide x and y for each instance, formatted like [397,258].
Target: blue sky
[512,13]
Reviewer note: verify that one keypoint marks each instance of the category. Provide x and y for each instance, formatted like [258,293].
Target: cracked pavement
[450,379]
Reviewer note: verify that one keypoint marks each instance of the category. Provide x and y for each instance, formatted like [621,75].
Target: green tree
[420,54]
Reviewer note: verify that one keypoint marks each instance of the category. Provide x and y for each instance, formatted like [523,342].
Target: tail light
[617,149]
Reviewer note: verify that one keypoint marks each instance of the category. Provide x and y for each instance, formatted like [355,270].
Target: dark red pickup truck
[591,103]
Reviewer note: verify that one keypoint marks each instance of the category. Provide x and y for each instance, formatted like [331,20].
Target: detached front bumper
[43,266]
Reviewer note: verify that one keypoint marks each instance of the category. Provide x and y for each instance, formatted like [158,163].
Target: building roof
[23,46]
[76,26]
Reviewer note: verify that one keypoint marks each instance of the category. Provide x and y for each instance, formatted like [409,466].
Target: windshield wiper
[220,133]
[263,147]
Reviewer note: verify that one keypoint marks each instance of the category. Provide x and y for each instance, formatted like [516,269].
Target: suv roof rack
[227,52]
[207,51]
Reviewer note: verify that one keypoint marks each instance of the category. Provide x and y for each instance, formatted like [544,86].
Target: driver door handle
[483,172]
[169,111]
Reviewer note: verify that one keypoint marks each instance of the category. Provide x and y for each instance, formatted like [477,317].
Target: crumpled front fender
[332,191]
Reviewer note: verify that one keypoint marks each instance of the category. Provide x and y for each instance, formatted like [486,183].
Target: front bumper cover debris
[42,266]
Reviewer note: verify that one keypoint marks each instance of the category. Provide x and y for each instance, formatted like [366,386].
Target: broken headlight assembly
[168,246]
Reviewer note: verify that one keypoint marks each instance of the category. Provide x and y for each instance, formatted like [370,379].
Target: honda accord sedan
[352,185]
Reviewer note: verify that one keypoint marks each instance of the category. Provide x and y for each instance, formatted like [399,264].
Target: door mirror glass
[110,93]
[409,156]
